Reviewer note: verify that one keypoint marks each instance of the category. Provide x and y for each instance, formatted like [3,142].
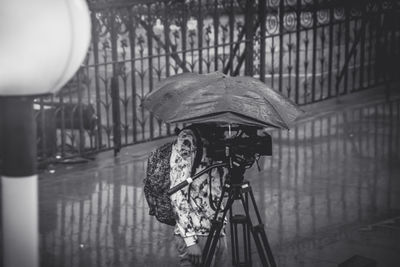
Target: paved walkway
[330,191]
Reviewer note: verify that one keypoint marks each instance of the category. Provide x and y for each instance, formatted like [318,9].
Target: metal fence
[310,50]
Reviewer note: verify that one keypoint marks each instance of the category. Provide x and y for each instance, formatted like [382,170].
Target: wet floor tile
[325,195]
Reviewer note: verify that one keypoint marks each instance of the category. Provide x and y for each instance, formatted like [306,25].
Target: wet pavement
[330,191]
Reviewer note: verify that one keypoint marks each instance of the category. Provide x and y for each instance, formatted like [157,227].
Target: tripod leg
[240,221]
[214,226]
[215,231]
[246,234]
[237,221]
[234,240]
[258,232]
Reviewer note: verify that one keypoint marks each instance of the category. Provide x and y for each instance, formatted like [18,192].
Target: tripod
[238,189]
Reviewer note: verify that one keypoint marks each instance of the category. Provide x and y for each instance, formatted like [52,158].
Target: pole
[249,51]
[19,183]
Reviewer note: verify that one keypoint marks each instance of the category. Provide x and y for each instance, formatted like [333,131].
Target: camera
[240,141]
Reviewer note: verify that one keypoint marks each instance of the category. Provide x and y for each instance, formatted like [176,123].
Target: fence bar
[62,130]
[183,21]
[150,62]
[216,34]
[262,14]
[321,80]
[116,112]
[298,42]
[95,45]
[362,49]
[338,56]
[231,40]
[42,127]
[346,44]
[370,50]
[281,16]
[132,42]
[200,25]
[167,48]
[330,56]
[249,38]
[392,23]
[353,57]
[80,113]
[315,48]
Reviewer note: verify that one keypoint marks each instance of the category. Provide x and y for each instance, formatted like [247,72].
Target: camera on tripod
[235,148]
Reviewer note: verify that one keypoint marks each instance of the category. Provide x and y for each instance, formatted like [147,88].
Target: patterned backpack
[157,180]
[157,183]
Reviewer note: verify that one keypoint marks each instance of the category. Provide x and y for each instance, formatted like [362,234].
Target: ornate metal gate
[310,50]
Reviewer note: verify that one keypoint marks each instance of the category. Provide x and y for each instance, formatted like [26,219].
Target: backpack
[157,180]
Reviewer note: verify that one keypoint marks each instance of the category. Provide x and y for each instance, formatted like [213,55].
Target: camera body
[243,141]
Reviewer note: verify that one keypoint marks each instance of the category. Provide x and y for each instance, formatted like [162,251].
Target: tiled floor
[331,190]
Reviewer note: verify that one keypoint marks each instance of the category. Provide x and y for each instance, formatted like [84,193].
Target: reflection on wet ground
[331,190]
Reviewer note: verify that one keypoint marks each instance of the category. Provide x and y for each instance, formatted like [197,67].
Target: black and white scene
[200,133]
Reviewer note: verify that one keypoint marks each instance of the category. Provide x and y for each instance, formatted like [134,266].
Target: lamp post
[43,43]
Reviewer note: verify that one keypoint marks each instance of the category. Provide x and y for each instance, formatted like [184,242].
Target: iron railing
[310,50]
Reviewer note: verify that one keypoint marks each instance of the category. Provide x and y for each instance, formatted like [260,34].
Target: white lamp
[43,42]
[42,45]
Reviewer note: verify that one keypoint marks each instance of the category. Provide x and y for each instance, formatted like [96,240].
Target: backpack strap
[198,155]
[199,151]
